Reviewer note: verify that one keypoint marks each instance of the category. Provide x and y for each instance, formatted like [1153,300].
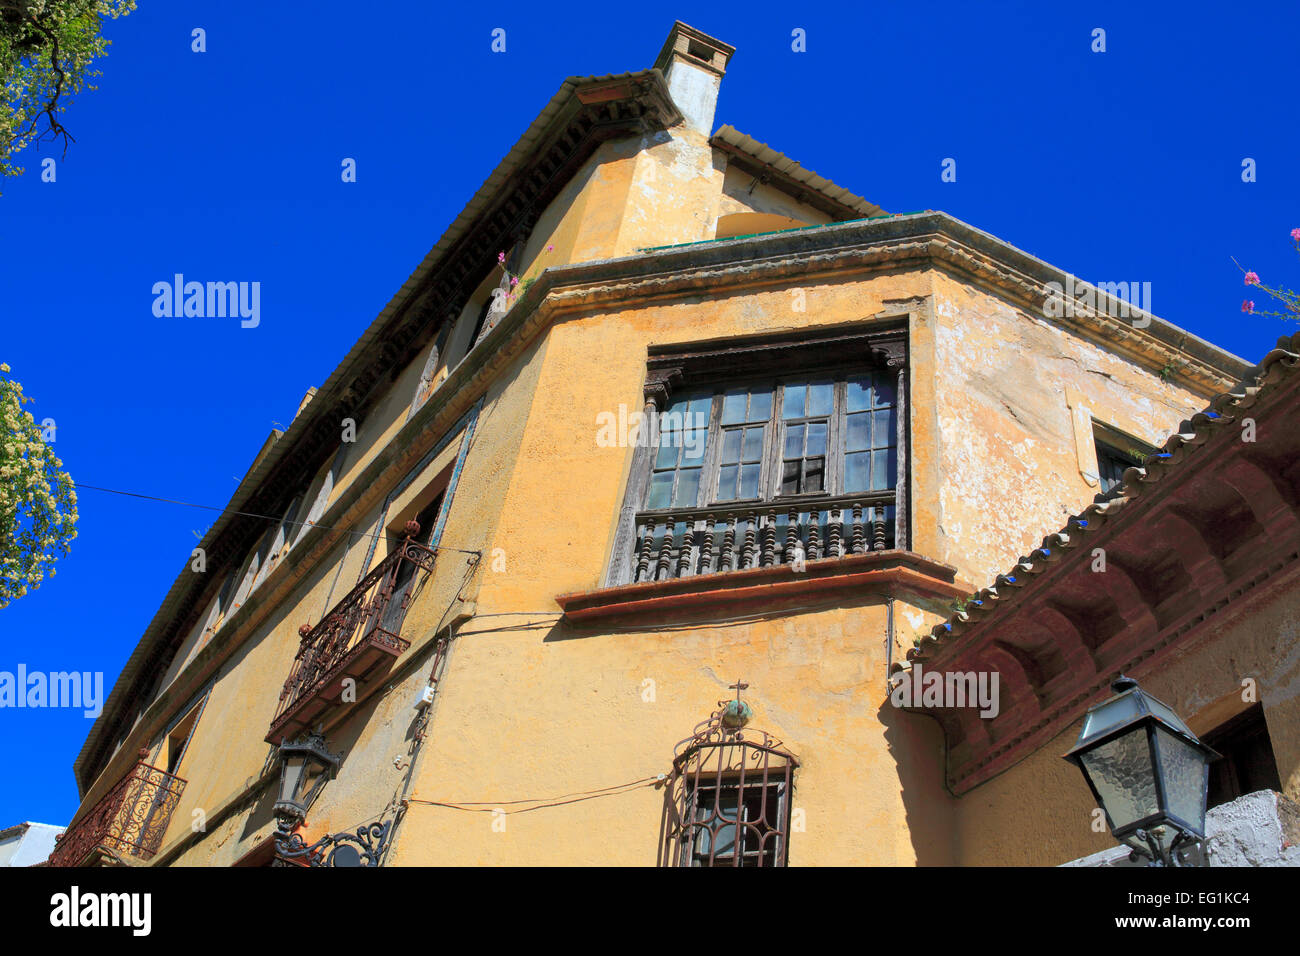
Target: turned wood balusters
[704,542]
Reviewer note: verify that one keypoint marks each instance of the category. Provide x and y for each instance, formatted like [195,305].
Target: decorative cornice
[879,573]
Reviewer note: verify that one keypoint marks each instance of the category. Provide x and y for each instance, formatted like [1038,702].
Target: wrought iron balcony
[682,543]
[359,639]
[129,821]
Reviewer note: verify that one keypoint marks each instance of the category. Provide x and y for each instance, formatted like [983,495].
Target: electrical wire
[251,514]
[490,806]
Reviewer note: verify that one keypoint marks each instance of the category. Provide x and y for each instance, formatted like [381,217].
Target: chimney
[694,63]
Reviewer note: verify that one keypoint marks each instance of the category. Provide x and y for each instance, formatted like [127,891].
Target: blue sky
[225,165]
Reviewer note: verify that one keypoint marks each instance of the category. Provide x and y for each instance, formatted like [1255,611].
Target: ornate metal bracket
[336,849]
[1175,855]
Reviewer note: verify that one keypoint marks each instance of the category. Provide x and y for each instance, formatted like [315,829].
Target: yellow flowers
[38,511]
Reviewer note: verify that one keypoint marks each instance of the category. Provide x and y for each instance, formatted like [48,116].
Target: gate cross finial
[738,686]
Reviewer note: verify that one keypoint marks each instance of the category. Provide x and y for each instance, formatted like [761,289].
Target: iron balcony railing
[678,543]
[129,821]
[358,639]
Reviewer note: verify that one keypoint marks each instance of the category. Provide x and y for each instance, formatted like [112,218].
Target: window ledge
[881,572]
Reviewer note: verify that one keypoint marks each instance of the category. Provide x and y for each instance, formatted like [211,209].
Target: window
[679,461]
[177,741]
[734,824]
[776,440]
[729,797]
[767,450]
[1247,763]
[1116,451]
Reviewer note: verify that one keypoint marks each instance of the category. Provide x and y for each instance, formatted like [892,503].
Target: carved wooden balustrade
[682,543]
[129,821]
[358,640]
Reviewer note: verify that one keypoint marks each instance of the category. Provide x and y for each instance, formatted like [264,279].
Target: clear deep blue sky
[1123,165]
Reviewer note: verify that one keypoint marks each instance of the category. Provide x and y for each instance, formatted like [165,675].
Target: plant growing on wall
[38,504]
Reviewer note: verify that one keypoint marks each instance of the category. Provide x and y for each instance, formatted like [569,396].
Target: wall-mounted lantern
[1148,772]
[305,767]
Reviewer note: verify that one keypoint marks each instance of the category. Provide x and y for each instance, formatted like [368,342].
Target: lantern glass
[1184,772]
[305,768]
[1120,771]
[1108,716]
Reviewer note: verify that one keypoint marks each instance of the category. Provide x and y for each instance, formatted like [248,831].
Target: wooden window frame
[832,352]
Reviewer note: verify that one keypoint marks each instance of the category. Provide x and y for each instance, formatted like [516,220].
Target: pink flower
[1247,306]
[514,281]
[552,248]
[1252,279]
[1295,234]
[501,257]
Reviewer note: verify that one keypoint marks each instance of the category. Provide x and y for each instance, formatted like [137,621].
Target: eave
[1210,523]
[585,112]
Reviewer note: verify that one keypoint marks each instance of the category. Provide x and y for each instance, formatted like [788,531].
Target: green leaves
[46,48]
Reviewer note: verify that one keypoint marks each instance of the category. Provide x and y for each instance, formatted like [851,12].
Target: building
[27,844]
[667,434]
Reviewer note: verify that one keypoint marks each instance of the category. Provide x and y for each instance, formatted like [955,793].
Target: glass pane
[753,444]
[820,397]
[881,476]
[1125,780]
[693,446]
[733,407]
[760,406]
[661,486]
[1185,778]
[856,475]
[667,457]
[792,404]
[816,438]
[883,389]
[859,394]
[1109,716]
[731,446]
[883,433]
[794,441]
[814,474]
[859,437]
[727,483]
[680,404]
[700,408]
[688,487]
[790,477]
[749,481]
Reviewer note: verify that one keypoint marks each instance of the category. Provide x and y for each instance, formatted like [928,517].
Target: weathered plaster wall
[742,192]
[246,694]
[1006,468]
[545,712]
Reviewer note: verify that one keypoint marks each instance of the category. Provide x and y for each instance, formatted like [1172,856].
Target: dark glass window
[1111,463]
[820,435]
[735,826]
[679,462]
[1247,763]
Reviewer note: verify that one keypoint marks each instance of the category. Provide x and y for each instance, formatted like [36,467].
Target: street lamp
[1147,770]
[305,767]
